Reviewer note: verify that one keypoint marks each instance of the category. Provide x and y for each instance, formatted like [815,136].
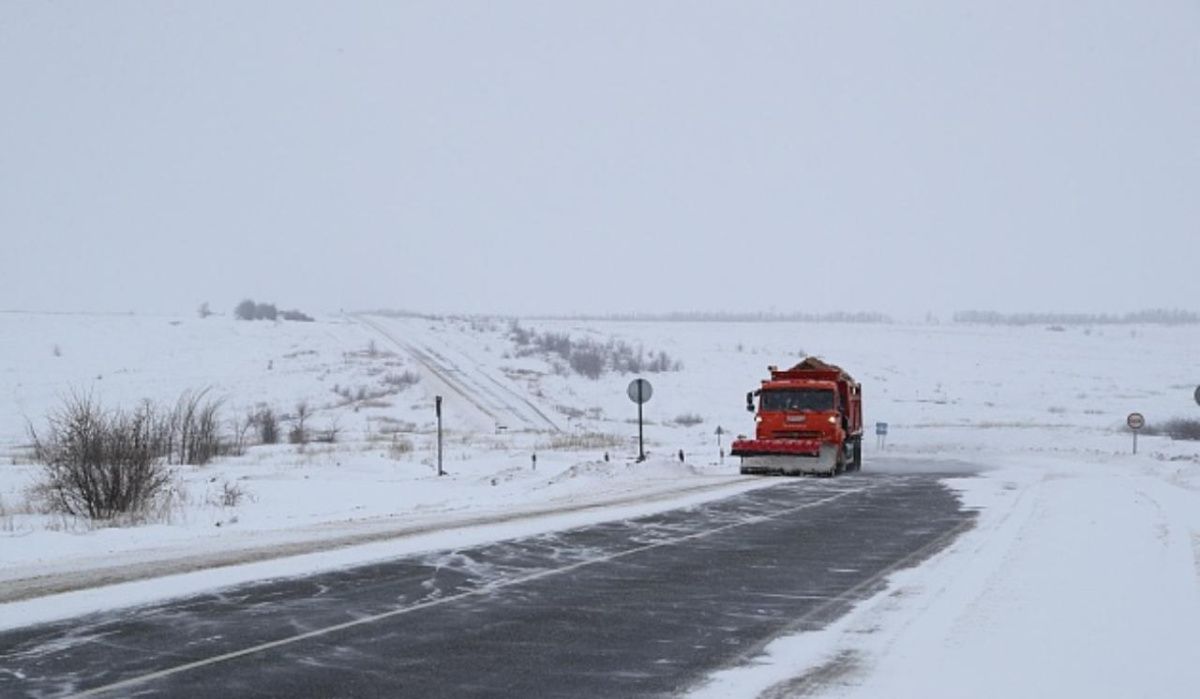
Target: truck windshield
[796,400]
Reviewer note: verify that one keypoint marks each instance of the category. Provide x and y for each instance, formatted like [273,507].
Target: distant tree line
[735,317]
[249,310]
[1158,316]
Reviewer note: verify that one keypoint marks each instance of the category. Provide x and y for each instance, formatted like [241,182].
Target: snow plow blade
[789,457]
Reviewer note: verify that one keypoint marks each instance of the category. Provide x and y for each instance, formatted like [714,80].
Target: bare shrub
[400,447]
[589,357]
[399,382]
[231,494]
[389,428]
[588,362]
[102,463]
[688,420]
[299,433]
[570,411]
[267,424]
[329,435]
[194,425]
[581,441]
[241,428]
[1181,428]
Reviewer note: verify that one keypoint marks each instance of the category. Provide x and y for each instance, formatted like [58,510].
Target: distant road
[493,396]
[632,608]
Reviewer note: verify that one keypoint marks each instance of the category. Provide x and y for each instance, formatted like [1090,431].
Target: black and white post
[437,404]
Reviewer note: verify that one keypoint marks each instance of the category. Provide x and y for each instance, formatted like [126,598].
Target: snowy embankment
[1081,576]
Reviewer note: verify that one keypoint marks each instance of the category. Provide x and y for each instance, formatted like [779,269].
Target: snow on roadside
[1081,578]
[658,491]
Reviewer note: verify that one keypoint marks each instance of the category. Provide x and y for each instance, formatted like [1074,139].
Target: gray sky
[610,156]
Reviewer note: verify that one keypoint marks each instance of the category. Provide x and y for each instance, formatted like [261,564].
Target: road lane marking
[21,589]
[853,594]
[484,590]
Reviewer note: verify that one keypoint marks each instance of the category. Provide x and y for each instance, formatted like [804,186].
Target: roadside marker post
[1136,421]
[437,403]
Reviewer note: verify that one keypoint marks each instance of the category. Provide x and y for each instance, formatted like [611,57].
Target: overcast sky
[533,157]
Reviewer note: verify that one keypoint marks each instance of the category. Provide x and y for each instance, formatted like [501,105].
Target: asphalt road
[632,608]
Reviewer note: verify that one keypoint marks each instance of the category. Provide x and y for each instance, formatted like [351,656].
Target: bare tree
[299,433]
[268,426]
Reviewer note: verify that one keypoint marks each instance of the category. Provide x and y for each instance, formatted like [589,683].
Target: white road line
[845,597]
[486,589]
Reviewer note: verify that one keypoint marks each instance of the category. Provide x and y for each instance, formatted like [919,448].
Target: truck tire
[856,464]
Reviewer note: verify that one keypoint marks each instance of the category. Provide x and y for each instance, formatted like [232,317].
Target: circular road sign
[1136,421]
[639,390]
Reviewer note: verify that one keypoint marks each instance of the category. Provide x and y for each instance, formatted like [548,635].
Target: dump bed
[812,369]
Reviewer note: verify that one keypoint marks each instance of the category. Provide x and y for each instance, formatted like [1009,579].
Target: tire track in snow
[502,404]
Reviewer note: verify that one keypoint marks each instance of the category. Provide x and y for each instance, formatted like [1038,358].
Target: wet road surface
[640,607]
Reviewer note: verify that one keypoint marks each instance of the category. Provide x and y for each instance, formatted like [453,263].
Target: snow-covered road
[633,607]
[466,377]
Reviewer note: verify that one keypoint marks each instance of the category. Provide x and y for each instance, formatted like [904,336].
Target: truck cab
[798,410]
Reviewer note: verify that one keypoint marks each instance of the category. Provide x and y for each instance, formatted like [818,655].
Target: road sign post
[639,392]
[1136,421]
[437,404]
[881,430]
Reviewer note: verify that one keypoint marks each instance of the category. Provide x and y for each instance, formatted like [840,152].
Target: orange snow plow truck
[809,421]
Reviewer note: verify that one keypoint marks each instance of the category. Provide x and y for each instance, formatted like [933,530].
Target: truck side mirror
[750,402]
